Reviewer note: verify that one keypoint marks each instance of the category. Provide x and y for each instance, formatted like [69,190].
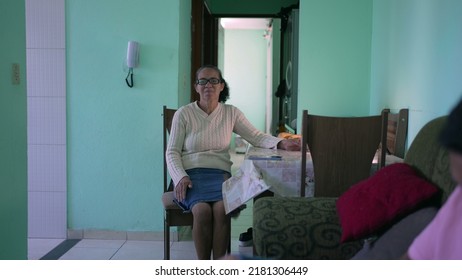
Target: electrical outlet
[15,74]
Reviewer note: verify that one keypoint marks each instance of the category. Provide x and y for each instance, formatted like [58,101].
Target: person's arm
[289,145]
[180,189]
[259,139]
[252,135]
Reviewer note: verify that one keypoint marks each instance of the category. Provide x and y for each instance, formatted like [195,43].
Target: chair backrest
[168,117]
[342,150]
[397,132]
[430,158]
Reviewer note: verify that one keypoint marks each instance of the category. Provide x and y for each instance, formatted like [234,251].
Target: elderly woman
[199,162]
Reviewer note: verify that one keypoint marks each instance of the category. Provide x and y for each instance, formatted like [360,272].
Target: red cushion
[376,202]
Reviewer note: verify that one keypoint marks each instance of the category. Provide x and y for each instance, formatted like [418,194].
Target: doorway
[246,57]
[207,49]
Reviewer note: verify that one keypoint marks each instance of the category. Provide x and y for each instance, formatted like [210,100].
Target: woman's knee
[202,211]
[219,212]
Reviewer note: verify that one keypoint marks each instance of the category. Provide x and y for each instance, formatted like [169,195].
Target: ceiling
[245,23]
[248,8]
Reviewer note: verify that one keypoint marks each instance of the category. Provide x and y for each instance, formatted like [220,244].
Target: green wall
[114,132]
[184,53]
[334,57]
[13,136]
[357,57]
[416,58]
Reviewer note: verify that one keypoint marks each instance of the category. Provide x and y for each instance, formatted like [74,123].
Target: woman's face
[456,166]
[209,91]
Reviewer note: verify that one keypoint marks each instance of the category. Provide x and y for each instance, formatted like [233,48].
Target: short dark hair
[451,135]
[224,94]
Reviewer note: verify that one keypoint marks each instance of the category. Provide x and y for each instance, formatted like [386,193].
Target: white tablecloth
[263,169]
[275,170]
[283,176]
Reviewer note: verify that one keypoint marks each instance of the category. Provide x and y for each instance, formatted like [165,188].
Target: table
[280,169]
[275,170]
[266,169]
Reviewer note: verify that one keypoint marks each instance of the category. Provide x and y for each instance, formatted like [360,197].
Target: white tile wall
[46,118]
[46,72]
[46,215]
[45,21]
[47,168]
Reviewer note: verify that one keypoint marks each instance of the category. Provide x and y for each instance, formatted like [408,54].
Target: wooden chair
[397,133]
[173,214]
[342,150]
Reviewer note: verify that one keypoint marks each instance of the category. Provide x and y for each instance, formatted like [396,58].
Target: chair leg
[229,244]
[166,240]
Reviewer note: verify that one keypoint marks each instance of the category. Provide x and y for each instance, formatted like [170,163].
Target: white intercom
[133,56]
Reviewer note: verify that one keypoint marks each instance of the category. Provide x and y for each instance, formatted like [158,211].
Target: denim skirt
[206,187]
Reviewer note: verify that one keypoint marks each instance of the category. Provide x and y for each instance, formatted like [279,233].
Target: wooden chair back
[168,118]
[397,132]
[173,214]
[342,150]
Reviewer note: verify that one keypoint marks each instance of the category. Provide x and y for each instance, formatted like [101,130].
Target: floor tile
[100,243]
[38,247]
[140,250]
[183,250]
[93,249]
[89,253]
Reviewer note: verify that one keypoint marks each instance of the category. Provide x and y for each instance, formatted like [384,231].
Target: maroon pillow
[376,202]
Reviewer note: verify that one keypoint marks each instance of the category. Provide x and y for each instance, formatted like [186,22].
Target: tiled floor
[95,249]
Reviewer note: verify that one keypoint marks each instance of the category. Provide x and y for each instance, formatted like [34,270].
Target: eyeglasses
[212,81]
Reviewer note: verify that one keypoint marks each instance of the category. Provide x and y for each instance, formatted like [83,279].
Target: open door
[288,97]
[204,39]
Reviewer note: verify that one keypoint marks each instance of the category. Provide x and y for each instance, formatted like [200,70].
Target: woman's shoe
[245,238]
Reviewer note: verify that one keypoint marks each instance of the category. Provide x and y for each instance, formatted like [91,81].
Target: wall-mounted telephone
[133,55]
